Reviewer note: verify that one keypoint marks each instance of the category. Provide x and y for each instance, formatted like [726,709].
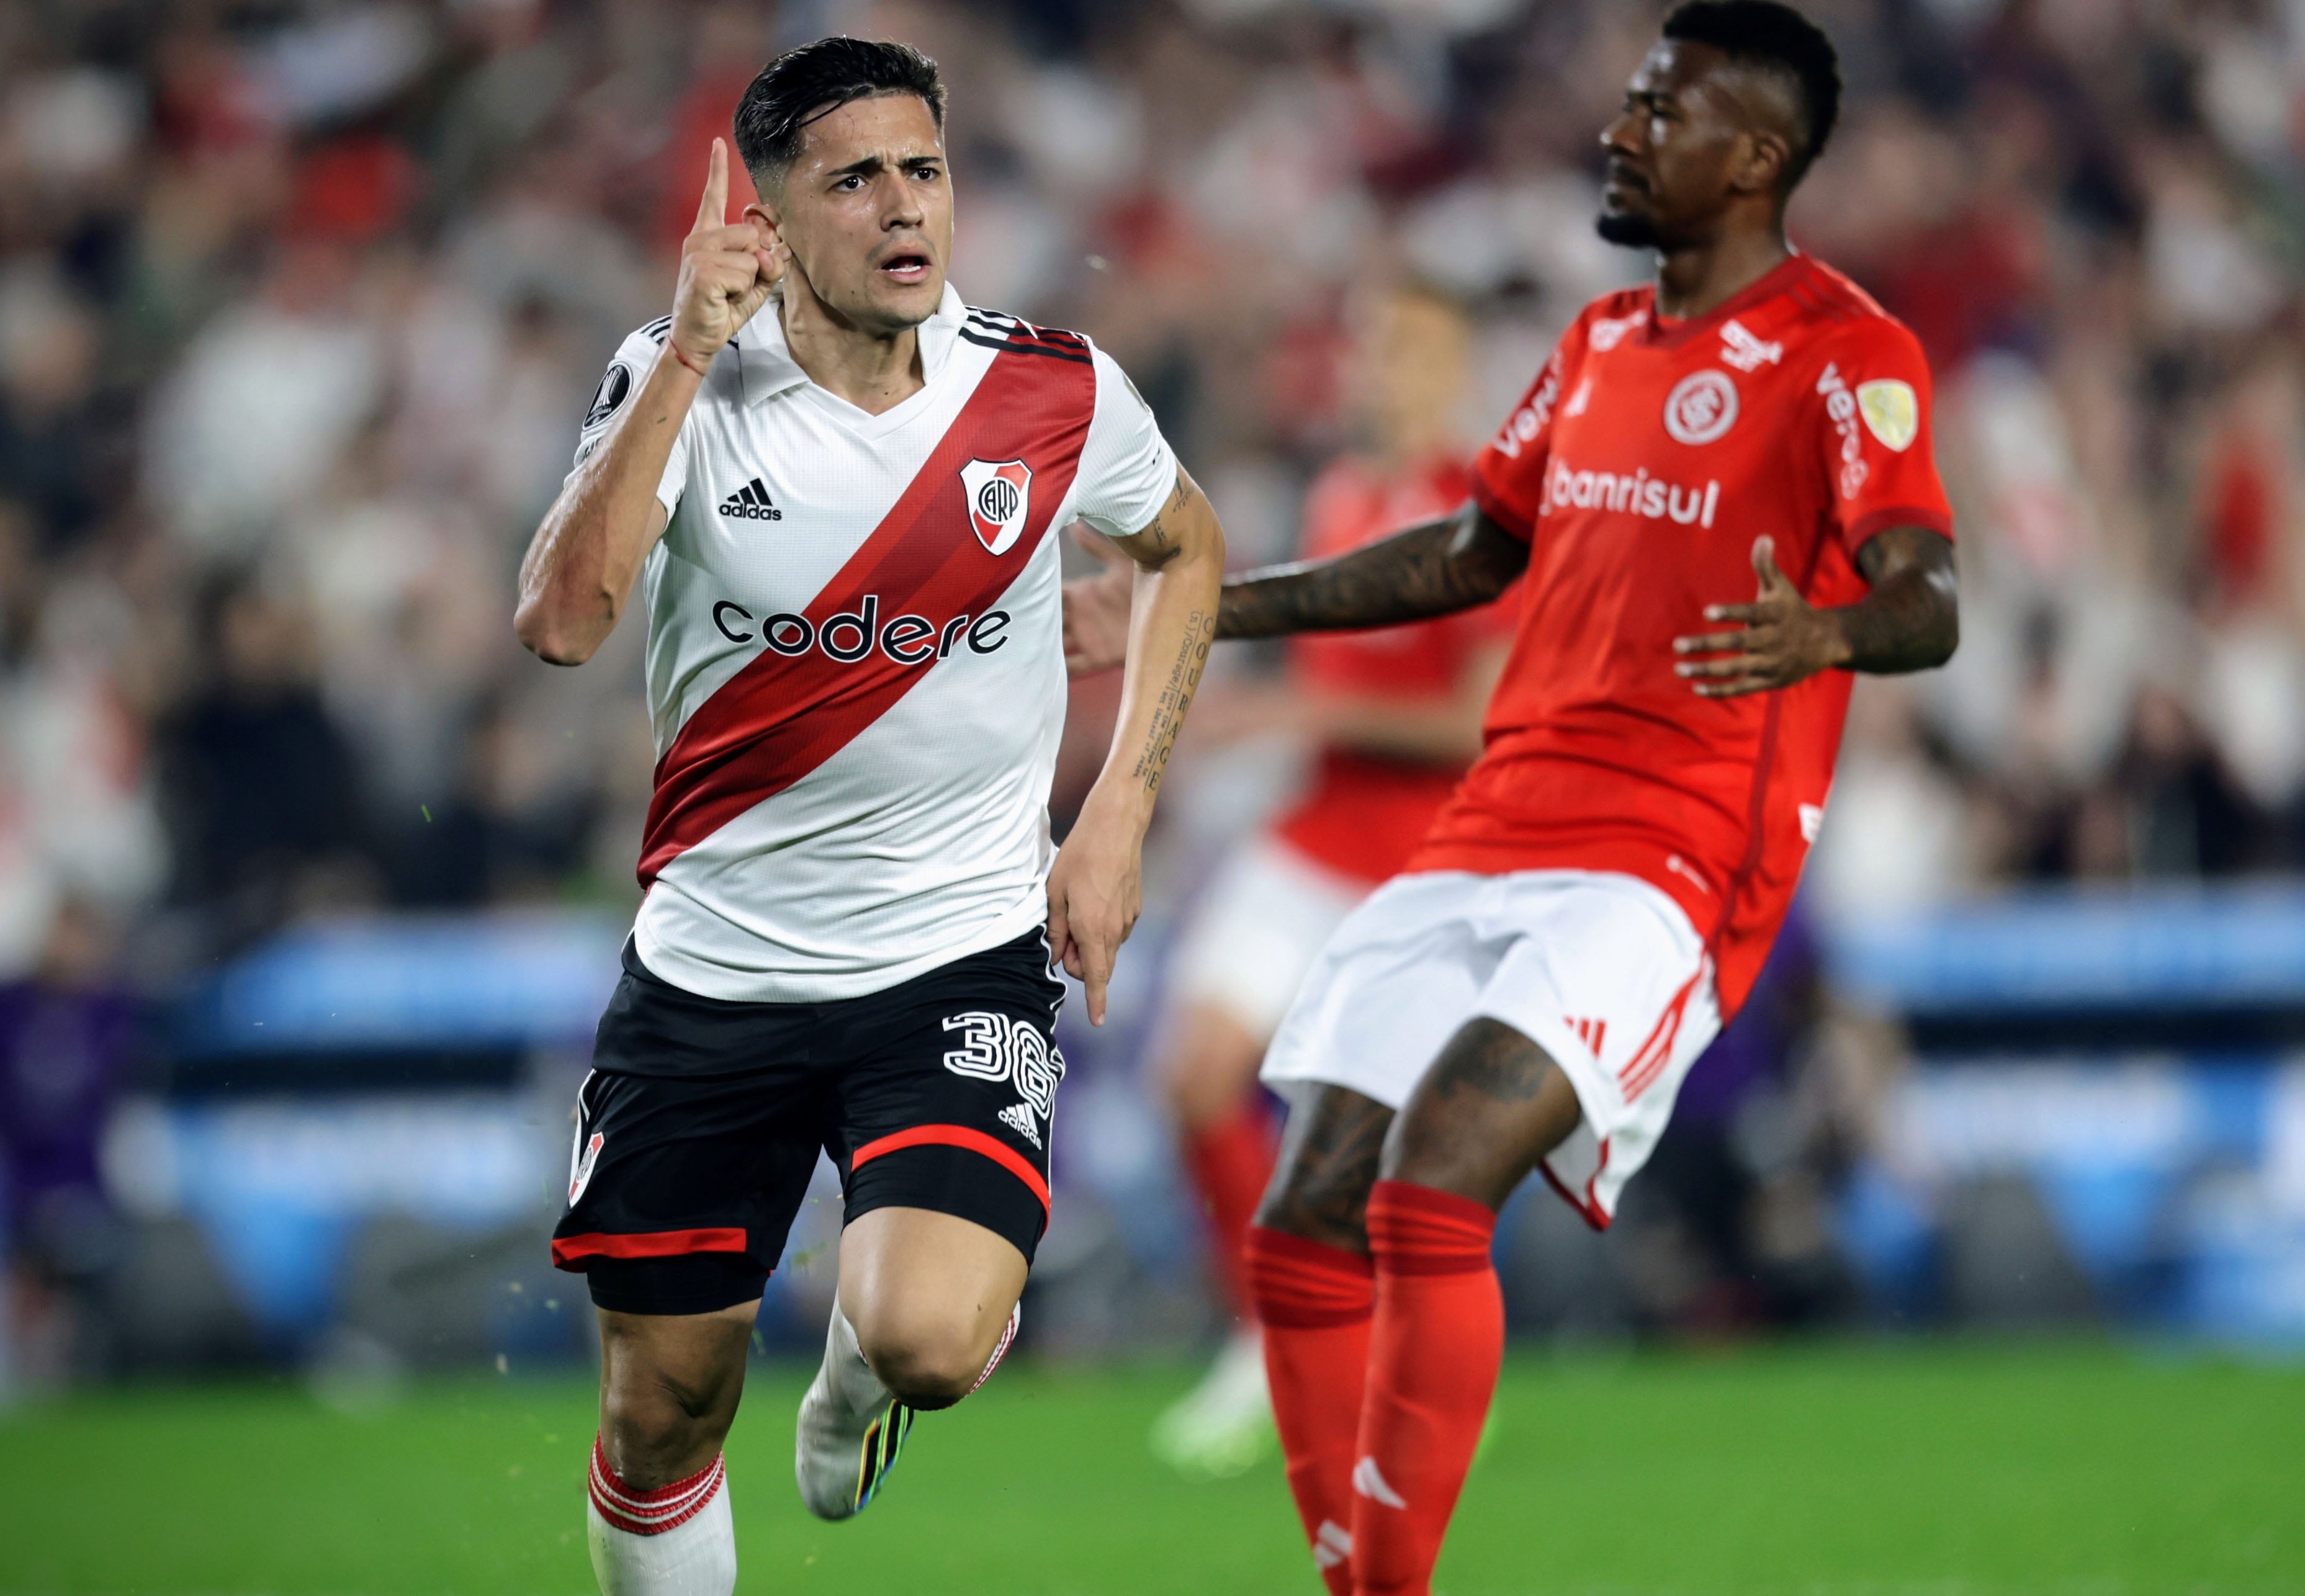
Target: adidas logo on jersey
[1590,1032]
[1018,1118]
[751,503]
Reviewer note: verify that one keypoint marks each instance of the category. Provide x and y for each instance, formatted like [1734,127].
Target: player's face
[1676,149]
[1412,372]
[867,211]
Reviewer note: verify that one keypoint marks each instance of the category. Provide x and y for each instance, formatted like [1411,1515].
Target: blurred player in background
[1606,882]
[1394,716]
[836,484]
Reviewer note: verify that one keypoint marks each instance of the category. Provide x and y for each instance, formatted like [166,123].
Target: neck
[1699,278]
[872,369]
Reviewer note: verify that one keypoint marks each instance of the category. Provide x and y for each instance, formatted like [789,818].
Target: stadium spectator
[69,1040]
[260,783]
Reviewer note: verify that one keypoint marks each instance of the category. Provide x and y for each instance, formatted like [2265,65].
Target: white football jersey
[855,665]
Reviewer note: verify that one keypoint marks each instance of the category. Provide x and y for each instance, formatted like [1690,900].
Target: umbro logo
[1018,1118]
[751,503]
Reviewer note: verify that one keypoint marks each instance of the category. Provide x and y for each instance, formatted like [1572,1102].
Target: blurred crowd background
[301,302]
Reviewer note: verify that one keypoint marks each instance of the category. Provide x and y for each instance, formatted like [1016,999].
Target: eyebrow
[872,164]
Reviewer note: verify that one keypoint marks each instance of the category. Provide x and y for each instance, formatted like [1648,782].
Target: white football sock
[853,1380]
[676,1541]
[1007,1340]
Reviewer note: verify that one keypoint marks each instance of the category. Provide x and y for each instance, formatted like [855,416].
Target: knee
[653,1434]
[1443,1159]
[928,1363]
[1420,1152]
[1316,1206]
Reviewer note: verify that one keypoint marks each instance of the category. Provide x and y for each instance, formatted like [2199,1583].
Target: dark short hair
[1777,39]
[802,84]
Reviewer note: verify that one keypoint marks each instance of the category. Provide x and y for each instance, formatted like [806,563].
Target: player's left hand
[1780,638]
[1095,890]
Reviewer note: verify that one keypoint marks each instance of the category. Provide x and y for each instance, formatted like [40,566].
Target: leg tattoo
[1329,1159]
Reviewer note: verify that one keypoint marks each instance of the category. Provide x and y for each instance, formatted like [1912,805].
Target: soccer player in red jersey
[1606,882]
[1394,718]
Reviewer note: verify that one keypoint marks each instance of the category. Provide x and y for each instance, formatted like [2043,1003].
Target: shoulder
[1846,317]
[627,370]
[640,345]
[1013,334]
[1833,294]
[1605,321]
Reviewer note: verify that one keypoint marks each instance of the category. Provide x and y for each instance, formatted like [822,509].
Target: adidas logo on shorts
[751,503]
[1018,1118]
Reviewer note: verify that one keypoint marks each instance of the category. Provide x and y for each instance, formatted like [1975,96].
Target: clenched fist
[728,270]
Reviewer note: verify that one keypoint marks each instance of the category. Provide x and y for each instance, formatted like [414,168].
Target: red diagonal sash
[782,716]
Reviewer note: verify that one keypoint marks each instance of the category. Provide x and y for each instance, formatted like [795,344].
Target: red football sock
[1228,1163]
[1315,1301]
[1434,1346]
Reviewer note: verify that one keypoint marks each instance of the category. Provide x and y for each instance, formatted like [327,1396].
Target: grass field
[1846,1472]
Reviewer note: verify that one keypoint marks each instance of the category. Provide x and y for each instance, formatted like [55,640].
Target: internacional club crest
[998,491]
[1701,408]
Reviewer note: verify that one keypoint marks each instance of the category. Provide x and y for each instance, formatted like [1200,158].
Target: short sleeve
[1127,468]
[1509,473]
[623,378]
[1875,435]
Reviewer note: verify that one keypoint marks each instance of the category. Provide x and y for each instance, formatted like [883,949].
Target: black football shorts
[699,1127]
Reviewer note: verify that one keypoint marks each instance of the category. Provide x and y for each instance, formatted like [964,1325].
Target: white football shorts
[1267,914]
[1601,970]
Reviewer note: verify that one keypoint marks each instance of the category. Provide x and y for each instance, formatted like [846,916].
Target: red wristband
[704,370]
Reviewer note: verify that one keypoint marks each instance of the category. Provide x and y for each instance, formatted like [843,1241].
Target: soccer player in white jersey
[838,488]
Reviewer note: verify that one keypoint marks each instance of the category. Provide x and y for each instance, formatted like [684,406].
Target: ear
[1761,166]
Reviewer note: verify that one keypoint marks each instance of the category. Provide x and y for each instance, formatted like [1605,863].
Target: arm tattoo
[1155,546]
[1911,619]
[1432,569]
[1175,697]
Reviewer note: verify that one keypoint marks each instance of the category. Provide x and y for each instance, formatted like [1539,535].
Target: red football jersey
[1645,459]
[1363,814]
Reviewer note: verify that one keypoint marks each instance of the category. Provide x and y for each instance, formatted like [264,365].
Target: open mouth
[1618,175]
[908,266]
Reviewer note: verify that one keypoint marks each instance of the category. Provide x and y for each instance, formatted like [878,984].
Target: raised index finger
[713,211]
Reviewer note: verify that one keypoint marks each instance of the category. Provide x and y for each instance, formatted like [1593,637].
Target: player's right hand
[1097,609]
[728,270]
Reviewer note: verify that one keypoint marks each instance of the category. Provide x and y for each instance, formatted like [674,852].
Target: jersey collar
[1664,333]
[767,368]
